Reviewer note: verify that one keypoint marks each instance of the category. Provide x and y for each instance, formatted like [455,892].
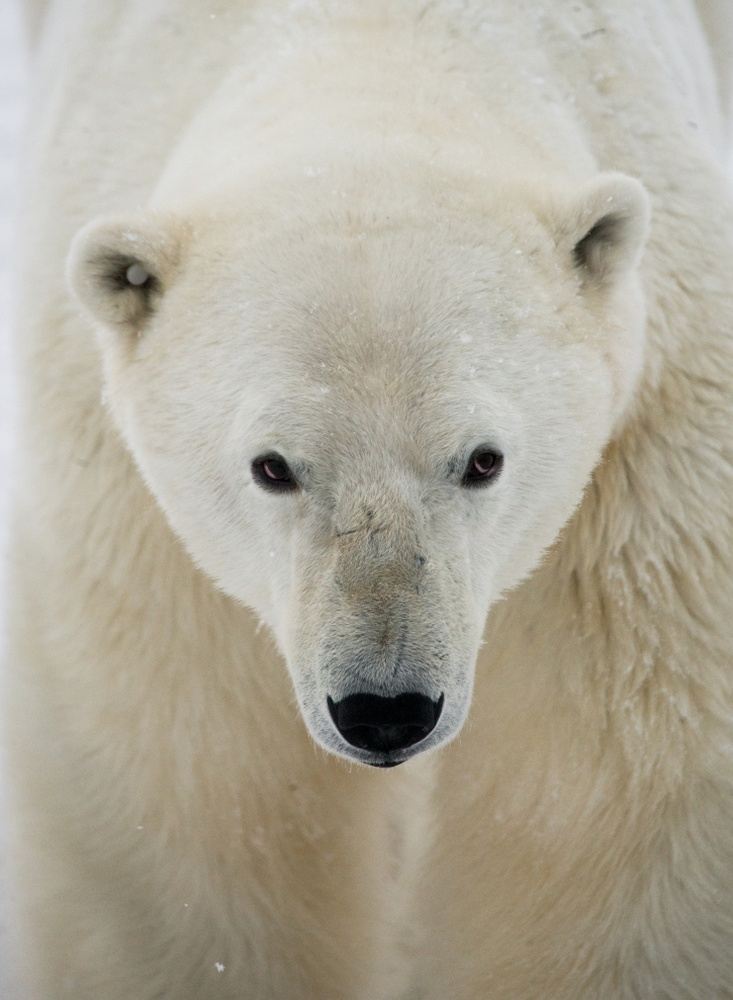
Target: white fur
[378,235]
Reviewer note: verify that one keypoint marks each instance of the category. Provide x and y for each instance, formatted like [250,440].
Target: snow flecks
[136,274]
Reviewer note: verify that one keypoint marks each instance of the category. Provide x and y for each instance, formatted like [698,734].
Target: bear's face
[368,433]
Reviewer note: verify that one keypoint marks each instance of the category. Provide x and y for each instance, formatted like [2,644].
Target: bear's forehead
[388,275]
[398,403]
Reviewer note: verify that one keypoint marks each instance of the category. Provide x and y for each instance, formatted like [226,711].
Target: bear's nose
[370,722]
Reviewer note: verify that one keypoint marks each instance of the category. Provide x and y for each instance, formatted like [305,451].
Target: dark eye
[273,473]
[483,466]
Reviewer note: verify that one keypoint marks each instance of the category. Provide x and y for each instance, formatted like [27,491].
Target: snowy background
[12,106]
[12,94]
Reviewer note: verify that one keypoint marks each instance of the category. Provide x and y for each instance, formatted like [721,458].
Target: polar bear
[366,414]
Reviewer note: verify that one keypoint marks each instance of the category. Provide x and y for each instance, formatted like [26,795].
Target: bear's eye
[484,465]
[273,473]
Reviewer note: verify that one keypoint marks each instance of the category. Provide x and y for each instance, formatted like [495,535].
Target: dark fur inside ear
[114,269]
[136,300]
[605,229]
[601,238]
[119,271]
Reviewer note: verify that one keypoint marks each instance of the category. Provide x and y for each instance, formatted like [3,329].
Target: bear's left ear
[119,268]
[603,229]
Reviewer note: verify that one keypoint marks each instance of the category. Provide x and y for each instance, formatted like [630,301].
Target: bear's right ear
[602,228]
[119,269]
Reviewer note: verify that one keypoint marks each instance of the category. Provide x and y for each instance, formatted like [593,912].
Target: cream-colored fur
[378,234]
[717,20]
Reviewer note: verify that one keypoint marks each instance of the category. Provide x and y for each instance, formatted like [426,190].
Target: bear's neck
[617,648]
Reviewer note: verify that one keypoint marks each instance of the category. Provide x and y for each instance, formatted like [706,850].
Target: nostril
[371,722]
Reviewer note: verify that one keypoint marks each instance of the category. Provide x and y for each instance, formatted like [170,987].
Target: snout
[385,726]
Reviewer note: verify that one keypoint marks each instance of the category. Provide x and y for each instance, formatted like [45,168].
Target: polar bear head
[366,421]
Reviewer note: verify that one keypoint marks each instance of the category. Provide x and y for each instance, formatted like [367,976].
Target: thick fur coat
[367,234]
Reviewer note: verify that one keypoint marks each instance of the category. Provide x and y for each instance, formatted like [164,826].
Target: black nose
[371,722]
